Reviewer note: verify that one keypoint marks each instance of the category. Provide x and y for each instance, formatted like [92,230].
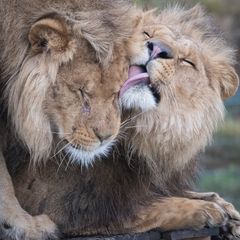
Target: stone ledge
[157,235]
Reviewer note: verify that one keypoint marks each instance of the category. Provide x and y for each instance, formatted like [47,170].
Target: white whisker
[62,159]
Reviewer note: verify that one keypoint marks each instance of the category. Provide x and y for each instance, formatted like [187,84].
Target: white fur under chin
[138,97]
[86,158]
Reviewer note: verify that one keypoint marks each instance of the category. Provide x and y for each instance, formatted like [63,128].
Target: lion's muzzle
[158,49]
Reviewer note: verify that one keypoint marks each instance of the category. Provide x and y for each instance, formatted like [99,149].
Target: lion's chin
[86,158]
[138,97]
[137,93]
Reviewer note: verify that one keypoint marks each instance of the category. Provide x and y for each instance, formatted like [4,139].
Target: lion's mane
[26,77]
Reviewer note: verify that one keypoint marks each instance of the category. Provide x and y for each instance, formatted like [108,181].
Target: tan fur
[214,197]
[168,137]
[62,65]
[191,103]
[112,196]
[179,213]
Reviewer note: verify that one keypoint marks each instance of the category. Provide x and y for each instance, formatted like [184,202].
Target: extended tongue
[135,70]
[136,76]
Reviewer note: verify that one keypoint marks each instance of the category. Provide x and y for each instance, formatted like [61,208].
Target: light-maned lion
[180,73]
[183,71]
[62,65]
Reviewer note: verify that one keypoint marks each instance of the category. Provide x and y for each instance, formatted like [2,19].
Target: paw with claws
[232,228]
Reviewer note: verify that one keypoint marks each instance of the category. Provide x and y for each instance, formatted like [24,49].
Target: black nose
[158,49]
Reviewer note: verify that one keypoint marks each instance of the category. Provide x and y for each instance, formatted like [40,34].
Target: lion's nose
[101,135]
[158,49]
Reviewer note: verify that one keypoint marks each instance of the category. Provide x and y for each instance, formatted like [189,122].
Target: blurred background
[221,161]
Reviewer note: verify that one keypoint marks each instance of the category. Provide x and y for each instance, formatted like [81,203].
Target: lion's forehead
[93,78]
[161,30]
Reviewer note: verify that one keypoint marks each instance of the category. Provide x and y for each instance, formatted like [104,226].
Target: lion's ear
[227,78]
[229,81]
[48,33]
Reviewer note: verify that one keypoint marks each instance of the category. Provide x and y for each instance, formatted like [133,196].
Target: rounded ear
[48,33]
[229,80]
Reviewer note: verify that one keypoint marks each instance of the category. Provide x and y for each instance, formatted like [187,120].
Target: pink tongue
[134,70]
[136,75]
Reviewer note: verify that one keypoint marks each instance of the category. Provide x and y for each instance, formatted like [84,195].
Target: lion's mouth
[138,75]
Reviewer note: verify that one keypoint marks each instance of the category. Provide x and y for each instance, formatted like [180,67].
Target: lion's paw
[214,197]
[28,228]
[209,214]
[231,231]
[228,207]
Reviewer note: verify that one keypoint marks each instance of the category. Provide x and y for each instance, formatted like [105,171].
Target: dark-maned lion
[183,71]
[62,65]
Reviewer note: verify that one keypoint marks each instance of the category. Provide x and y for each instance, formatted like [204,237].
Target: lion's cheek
[161,71]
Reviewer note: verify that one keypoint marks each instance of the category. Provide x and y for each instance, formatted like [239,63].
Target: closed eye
[81,92]
[147,34]
[188,62]
[84,93]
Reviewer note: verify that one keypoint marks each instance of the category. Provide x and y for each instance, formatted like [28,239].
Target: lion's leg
[15,223]
[178,213]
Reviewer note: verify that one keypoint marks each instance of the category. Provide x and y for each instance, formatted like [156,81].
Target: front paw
[228,207]
[28,228]
[207,214]
[231,231]
[214,197]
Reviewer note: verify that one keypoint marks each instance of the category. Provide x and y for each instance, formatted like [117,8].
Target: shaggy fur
[20,65]
[191,97]
[144,183]
[62,65]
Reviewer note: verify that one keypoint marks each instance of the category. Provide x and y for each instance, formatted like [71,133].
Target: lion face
[179,75]
[82,105]
[65,95]
[165,56]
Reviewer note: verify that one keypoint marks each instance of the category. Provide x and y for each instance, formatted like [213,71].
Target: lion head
[179,75]
[63,90]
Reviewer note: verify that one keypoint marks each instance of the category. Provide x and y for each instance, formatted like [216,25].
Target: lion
[180,73]
[184,73]
[62,65]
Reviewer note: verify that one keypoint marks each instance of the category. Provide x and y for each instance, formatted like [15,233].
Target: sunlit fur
[62,64]
[30,75]
[143,184]
[169,136]
[26,95]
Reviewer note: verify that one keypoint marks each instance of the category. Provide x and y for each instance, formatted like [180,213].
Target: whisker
[56,147]
[131,118]
[136,126]
[66,145]
[70,159]
[63,157]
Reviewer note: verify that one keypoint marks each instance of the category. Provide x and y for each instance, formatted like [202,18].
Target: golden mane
[168,137]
